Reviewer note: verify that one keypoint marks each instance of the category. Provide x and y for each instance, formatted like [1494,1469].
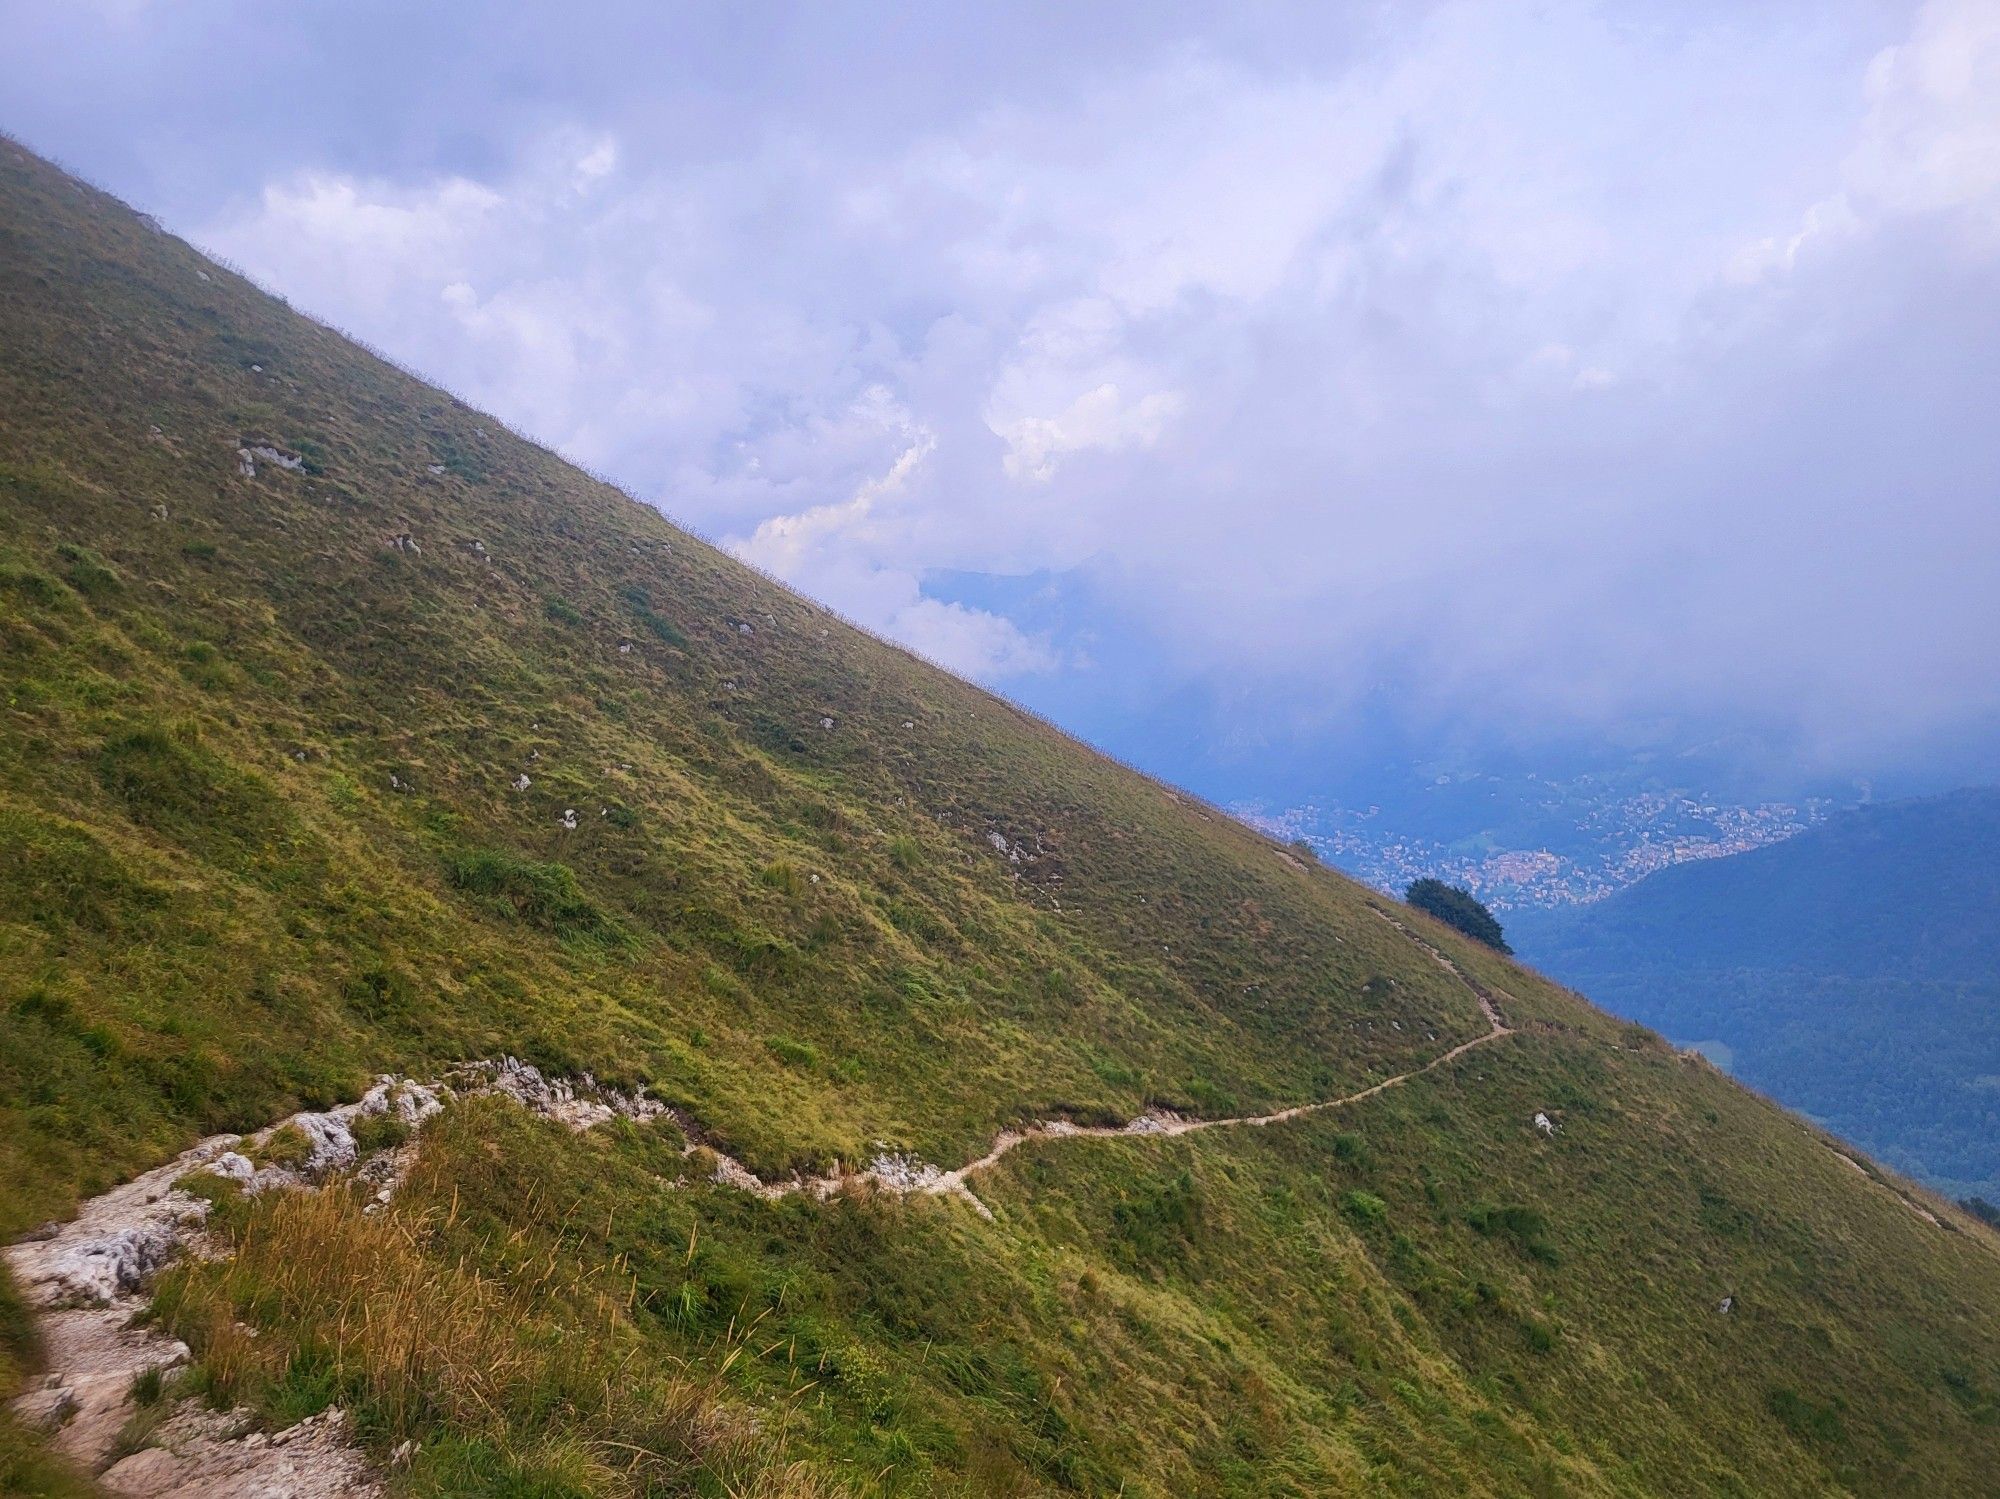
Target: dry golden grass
[323,1301]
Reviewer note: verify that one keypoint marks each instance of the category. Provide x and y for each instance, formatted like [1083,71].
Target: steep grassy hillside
[290,751]
[1853,972]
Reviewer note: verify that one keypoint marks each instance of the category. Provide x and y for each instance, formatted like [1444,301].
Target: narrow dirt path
[1916,1207]
[90,1283]
[89,1279]
[1164,1124]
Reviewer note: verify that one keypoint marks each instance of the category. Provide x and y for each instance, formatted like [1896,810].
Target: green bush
[1524,1225]
[171,782]
[1459,909]
[542,895]
[641,604]
[1804,1418]
[89,574]
[1157,1221]
[1364,1208]
[793,1053]
[36,587]
[782,874]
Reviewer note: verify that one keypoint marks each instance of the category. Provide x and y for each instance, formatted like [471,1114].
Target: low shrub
[1364,1208]
[547,896]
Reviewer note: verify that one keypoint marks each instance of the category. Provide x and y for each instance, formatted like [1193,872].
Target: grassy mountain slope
[260,782]
[1853,971]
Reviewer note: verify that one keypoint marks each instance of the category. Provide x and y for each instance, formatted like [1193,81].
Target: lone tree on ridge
[1458,909]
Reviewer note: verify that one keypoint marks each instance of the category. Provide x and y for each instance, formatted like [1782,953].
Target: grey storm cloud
[1575,363]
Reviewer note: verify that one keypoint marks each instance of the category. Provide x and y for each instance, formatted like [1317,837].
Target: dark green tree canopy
[1459,909]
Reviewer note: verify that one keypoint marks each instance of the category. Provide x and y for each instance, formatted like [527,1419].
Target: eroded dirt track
[1163,1124]
[89,1278]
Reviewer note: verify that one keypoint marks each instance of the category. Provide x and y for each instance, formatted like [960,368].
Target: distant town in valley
[1611,840]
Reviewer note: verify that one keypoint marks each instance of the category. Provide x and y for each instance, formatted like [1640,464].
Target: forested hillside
[1853,972]
[343,731]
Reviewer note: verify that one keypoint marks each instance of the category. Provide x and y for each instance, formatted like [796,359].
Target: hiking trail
[89,1278]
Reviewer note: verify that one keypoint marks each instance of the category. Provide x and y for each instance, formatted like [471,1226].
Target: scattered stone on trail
[1545,1124]
[1000,844]
[732,1173]
[434,469]
[206,1452]
[521,782]
[1728,1305]
[904,1173]
[45,1410]
[245,464]
[330,1146]
[83,1279]
[624,647]
[409,1103]
[559,1098]
[159,512]
[203,275]
[568,819]
[86,1279]
[825,722]
[396,782]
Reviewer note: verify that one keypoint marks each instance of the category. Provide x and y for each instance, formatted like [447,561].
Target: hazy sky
[1548,367]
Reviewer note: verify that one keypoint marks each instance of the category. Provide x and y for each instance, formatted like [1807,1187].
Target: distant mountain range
[1853,972]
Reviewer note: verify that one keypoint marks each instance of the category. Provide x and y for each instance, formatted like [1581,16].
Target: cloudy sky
[1552,369]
